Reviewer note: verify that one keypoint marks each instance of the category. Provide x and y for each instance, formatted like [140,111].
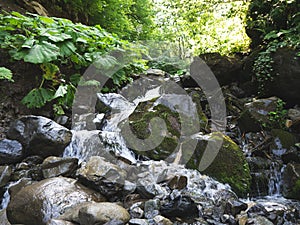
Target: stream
[98,139]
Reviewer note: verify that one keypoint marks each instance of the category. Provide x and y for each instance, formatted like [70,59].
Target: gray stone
[291,181]
[40,136]
[138,222]
[40,202]
[103,176]
[100,213]
[10,151]
[56,166]
[3,218]
[160,220]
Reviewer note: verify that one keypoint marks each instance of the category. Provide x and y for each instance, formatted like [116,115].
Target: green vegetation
[275,24]
[5,74]
[203,26]
[278,117]
[54,44]
[129,19]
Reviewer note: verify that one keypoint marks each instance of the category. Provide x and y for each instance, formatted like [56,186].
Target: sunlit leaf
[41,53]
[5,74]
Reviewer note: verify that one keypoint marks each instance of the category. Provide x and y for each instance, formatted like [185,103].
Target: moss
[287,139]
[295,192]
[229,166]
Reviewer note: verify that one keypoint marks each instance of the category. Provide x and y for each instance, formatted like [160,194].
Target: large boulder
[103,212]
[38,203]
[291,181]
[286,82]
[218,156]
[11,151]
[40,135]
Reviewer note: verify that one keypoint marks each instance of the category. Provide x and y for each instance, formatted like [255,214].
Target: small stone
[235,207]
[138,222]
[136,210]
[160,220]
[56,166]
[59,222]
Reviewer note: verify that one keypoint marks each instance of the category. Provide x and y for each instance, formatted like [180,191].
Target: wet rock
[136,210]
[5,175]
[59,222]
[100,213]
[39,202]
[160,220]
[235,207]
[102,176]
[258,110]
[156,72]
[283,141]
[56,166]
[181,207]
[260,220]
[10,152]
[292,156]
[109,145]
[178,182]
[151,208]
[40,136]
[291,181]
[218,156]
[138,222]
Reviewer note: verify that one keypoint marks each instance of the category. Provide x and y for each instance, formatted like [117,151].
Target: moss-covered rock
[228,163]
[181,118]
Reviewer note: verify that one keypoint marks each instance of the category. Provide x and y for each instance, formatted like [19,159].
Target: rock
[218,156]
[291,181]
[40,136]
[283,141]
[100,213]
[151,208]
[5,175]
[235,207]
[160,220]
[39,202]
[3,218]
[56,166]
[157,125]
[260,220]
[109,145]
[102,176]
[156,72]
[260,109]
[294,116]
[138,222]
[286,82]
[59,222]
[72,213]
[180,207]
[225,68]
[10,152]
[136,210]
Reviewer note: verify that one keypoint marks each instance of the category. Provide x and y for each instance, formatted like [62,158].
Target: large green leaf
[38,97]
[42,53]
[67,48]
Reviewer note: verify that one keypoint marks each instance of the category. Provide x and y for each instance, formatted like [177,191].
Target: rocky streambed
[152,154]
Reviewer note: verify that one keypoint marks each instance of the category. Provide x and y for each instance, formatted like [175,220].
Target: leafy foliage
[275,24]
[129,19]
[204,26]
[54,44]
[5,74]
